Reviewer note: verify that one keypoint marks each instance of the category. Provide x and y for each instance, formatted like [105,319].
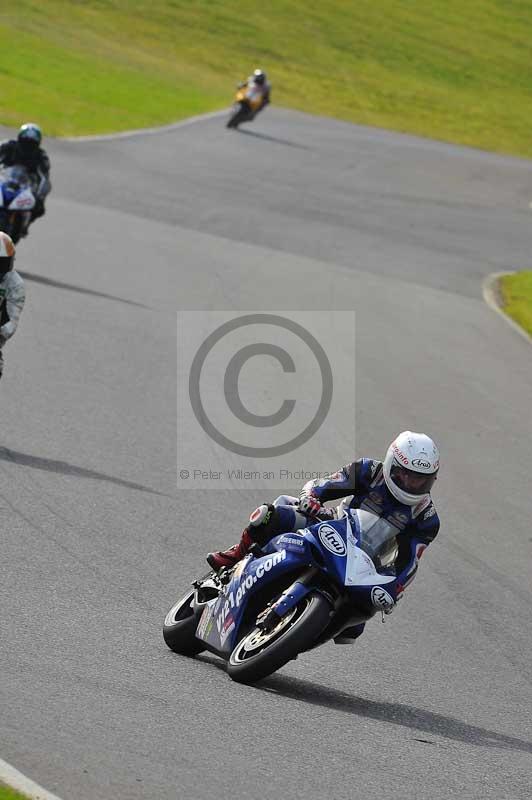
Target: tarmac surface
[292,213]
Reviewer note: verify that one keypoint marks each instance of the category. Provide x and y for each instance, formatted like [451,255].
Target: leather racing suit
[363,482]
[12,297]
[264,88]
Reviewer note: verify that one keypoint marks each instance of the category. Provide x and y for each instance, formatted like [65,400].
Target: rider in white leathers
[259,80]
[12,293]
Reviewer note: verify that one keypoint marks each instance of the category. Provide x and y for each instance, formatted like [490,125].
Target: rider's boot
[257,531]
[228,558]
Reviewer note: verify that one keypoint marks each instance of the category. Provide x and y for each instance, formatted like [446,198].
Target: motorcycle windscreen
[18,175]
[377,538]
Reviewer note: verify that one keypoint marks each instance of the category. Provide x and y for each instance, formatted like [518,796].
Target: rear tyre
[180,625]
[260,653]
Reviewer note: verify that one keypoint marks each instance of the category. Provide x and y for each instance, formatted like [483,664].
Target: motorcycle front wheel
[16,228]
[5,224]
[262,652]
[241,114]
[180,625]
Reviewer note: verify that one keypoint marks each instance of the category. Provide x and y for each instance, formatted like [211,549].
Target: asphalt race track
[294,212]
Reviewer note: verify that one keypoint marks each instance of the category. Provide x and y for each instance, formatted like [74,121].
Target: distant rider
[12,293]
[397,489]
[26,150]
[260,81]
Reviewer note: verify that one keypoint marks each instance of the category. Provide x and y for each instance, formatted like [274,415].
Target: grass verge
[440,68]
[6,793]
[516,292]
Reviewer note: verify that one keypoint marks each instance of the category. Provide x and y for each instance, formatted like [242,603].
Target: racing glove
[309,505]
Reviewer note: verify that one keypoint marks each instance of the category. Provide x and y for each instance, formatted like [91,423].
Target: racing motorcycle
[247,104]
[297,592]
[17,201]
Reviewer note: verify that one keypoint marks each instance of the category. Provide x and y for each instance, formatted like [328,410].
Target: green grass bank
[9,794]
[445,69]
[516,293]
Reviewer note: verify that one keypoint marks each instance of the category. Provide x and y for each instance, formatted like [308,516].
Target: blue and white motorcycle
[292,595]
[17,200]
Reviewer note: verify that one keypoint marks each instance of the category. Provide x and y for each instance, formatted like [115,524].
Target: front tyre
[16,228]
[180,625]
[262,652]
[5,224]
[240,114]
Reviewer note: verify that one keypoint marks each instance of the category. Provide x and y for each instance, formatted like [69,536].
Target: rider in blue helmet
[26,150]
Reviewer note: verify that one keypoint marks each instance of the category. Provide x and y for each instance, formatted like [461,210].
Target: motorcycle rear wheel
[260,653]
[180,625]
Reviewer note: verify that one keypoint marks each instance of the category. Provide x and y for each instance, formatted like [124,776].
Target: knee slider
[263,524]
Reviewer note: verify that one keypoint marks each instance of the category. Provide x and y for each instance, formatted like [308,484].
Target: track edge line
[490,293]
[104,137]
[16,780]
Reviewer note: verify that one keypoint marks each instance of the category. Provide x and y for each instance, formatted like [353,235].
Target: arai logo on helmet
[332,540]
[418,462]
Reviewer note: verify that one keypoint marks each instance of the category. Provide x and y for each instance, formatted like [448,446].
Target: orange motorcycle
[249,100]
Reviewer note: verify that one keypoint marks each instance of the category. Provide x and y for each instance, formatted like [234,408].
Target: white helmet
[411,467]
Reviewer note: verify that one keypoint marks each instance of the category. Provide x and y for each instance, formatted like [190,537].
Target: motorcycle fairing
[221,618]
[254,98]
[15,189]
[23,201]
[343,559]
[332,547]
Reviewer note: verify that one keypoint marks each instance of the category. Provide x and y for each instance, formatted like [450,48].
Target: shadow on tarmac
[29,276]
[275,139]
[64,468]
[416,719]
[394,713]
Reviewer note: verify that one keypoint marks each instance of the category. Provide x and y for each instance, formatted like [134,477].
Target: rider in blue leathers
[396,489]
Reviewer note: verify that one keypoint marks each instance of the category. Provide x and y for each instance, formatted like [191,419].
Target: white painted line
[16,780]
[146,131]
[491,297]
